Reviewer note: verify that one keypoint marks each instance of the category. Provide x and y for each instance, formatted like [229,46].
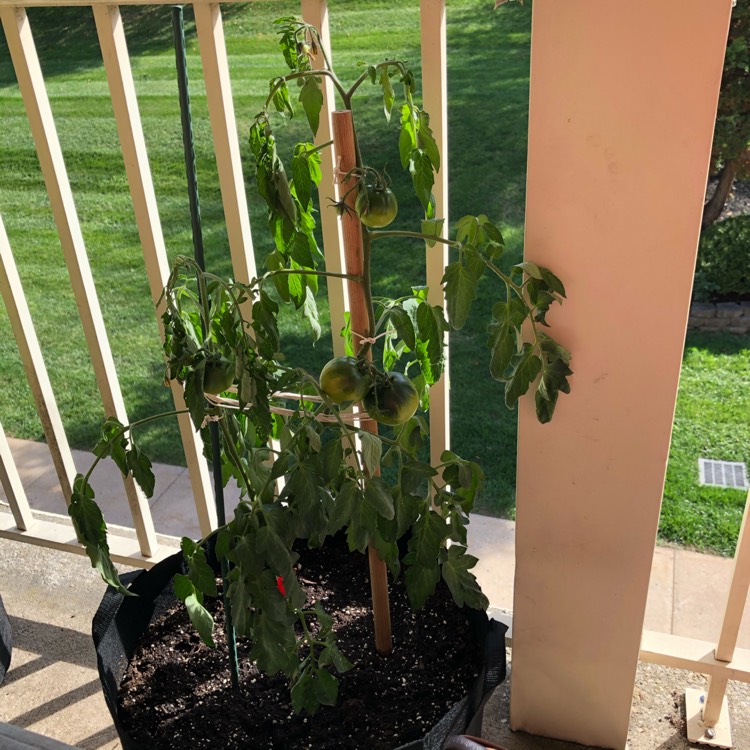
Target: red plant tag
[280,585]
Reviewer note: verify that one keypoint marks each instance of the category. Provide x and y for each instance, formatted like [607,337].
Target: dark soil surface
[177,694]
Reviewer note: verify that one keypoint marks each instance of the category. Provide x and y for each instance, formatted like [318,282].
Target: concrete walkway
[52,686]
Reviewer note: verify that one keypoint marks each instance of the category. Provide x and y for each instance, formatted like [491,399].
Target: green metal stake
[178,27]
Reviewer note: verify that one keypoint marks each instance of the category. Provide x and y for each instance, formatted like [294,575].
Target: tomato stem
[306,74]
[128,428]
[378,233]
[308,272]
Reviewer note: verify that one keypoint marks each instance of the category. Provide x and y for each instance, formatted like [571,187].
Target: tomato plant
[287,424]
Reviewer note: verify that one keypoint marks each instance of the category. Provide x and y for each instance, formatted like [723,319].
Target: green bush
[723,268]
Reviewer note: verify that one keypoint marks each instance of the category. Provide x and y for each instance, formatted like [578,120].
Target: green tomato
[345,379]
[376,207]
[218,375]
[392,401]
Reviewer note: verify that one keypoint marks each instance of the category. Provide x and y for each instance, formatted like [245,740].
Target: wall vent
[723,473]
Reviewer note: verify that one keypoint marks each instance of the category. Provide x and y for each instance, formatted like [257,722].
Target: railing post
[435,96]
[738,591]
[215,62]
[114,48]
[622,107]
[10,481]
[315,12]
[19,315]
[31,83]
[713,728]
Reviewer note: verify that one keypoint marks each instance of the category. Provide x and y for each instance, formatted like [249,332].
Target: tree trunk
[713,208]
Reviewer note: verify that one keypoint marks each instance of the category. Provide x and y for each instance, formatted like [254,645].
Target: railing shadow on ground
[54,645]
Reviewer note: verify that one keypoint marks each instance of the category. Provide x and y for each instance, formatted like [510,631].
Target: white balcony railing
[722,663]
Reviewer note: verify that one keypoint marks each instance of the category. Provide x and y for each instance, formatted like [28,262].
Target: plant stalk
[357,255]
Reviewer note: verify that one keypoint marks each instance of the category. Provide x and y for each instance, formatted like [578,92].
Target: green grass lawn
[488,95]
[711,421]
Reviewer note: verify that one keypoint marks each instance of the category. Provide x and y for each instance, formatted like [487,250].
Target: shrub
[723,268]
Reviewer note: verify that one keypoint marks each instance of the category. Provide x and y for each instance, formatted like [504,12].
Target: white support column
[315,12]
[127,116]
[31,83]
[622,108]
[435,97]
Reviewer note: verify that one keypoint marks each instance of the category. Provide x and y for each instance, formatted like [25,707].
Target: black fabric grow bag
[6,641]
[121,621]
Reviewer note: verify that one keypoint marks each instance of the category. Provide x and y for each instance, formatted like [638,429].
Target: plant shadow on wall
[320,436]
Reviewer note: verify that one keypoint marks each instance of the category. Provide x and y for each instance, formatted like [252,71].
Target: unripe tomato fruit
[393,401]
[376,207]
[345,379]
[218,375]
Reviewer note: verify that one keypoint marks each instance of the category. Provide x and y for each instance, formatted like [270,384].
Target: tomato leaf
[555,372]
[403,325]
[431,326]
[460,286]
[140,464]
[302,180]
[372,450]
[531,269]
[462,583]
[311,98]
[310,310]
[413,475]
[407,139]
[379,496]
[421,581]
[326,688]
[363,524]
[280,97]
[272,547]
[432,228]
[194,398]
[422,176]
[343,506]
[388,95]
[526,366]
[502,338]
[346,334]
[274,644]
[200,573]
[200,617]
[426,140]
[552,281]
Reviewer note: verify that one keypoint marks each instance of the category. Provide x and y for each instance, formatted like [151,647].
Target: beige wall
[623,100]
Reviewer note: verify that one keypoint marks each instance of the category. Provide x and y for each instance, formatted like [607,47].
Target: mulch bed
[177,694]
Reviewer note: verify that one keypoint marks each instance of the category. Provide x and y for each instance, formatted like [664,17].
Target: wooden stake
[359,309]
